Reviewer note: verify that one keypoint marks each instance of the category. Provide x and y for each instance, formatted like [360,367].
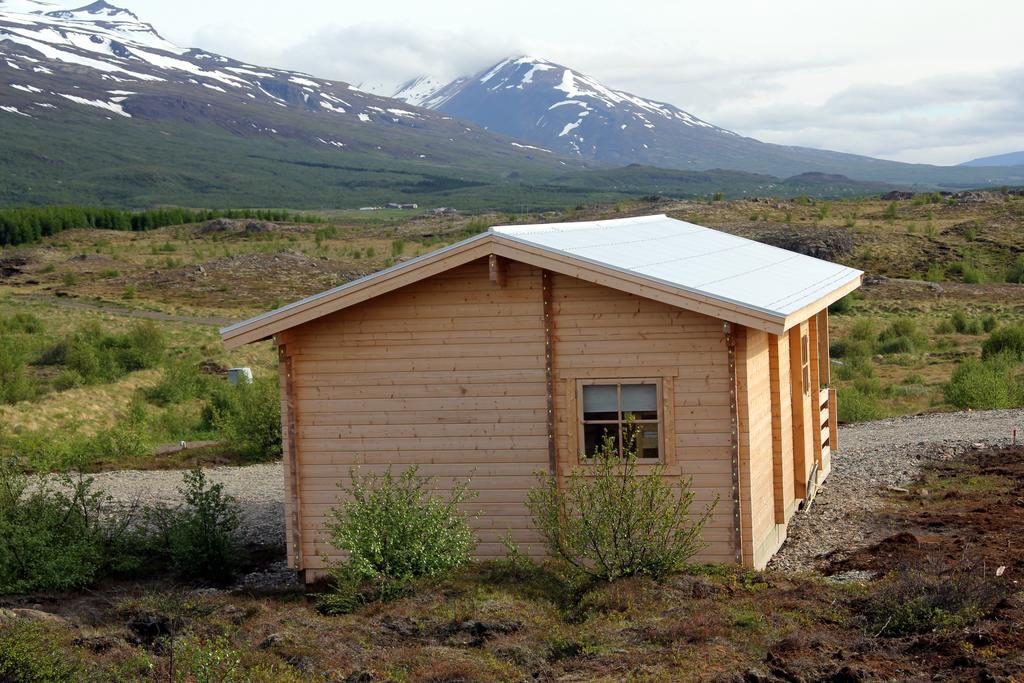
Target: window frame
[618,382]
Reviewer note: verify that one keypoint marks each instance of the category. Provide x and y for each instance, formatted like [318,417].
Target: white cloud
[916,80]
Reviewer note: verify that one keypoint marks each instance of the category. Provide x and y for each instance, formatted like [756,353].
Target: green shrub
[963,324]
[199,537]
[989,323]
[891,212]
[211,660]
[936,273]
[15,383]
[248,416]
[1016,271]
[57,535]
[1009,339]
[607,521]
[182,381]
[850,349]
[901,336]
[98,356]
[25,323]
[913,602]
[27,655]
[986,383]
[844,305]
[854,405]
[945,327]
[863,329]
[127,440]
[394,532]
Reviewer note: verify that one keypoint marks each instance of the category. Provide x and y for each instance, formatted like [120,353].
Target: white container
[239,376]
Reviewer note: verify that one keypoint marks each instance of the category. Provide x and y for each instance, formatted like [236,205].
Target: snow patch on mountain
[110,106]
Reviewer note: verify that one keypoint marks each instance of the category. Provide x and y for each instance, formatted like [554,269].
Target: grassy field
[943,273]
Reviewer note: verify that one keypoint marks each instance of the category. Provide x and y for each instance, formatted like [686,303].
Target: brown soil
[967,509]
[250,279]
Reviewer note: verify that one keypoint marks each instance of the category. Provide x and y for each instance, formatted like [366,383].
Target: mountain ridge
[560,109]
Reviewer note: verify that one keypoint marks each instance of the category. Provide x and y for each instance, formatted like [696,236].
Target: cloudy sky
[919,81]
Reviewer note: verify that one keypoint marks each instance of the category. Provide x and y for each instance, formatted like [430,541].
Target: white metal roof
[693,258]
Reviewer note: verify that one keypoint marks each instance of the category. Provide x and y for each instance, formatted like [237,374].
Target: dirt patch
[833,244]
[967,509]
[250,279]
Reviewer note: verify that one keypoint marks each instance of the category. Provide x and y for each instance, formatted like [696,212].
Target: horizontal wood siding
[447,373]
[601,333]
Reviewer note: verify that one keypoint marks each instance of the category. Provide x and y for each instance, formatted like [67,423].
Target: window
[609,408]
[805,362]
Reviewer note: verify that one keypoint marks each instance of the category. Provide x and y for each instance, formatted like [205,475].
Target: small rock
[33,615]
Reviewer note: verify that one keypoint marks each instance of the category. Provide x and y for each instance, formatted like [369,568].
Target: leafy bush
[1016,271]
[1008,339]
[989,323]
[608,521]
[27,655]
[15,383]
[986,383]
[901,336]
[249,418]
[182,381]
[912,602]
[199,537]
[863,329]
[394,532]
[856,405]
[57,535]
[844,305]
[964,325]
[98,356]
[212,660]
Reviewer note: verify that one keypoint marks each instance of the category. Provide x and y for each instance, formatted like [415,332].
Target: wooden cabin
[513,351]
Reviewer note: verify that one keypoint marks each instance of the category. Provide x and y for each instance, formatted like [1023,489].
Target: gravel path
[872,456]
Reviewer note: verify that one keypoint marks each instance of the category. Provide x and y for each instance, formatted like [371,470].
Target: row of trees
[19,226]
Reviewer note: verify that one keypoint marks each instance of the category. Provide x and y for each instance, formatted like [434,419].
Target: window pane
[600,402]
[640,400]
[648,439]
[594,436]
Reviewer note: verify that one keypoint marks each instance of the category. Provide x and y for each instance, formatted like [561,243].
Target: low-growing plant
[963,324]
[855,405]
[607,520]
[986,383]
[182,381]
[27,655]
[901,336]
[395,532]
[208,660]
[1008,339]
[919,601]
[844,305]
[199,537]
[248,417]
[58,534]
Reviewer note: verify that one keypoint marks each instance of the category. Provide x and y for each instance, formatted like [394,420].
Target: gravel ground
[872,457]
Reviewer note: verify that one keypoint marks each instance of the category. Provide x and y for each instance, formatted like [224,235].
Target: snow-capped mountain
[99,60]
[563,110]
[559,109]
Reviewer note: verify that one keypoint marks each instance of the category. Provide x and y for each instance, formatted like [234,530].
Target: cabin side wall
[605,334]
[447,373]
